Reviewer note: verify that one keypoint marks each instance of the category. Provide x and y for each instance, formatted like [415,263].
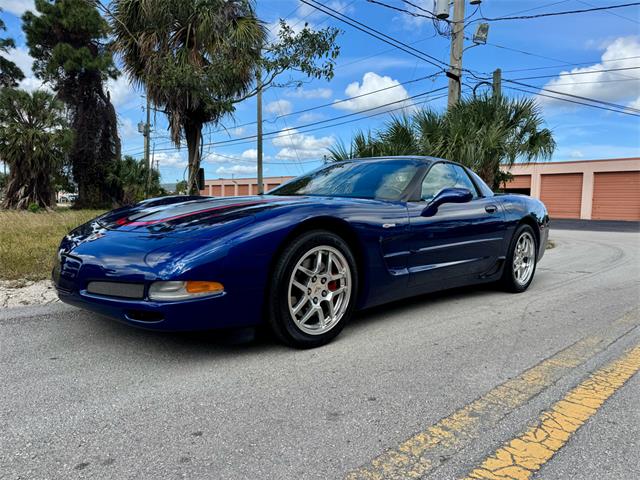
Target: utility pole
[147,158]
[455,58]
[145,130]
[497,82]
[259,133]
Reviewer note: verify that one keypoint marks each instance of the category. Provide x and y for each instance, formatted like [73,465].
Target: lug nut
[324,280]
[324,293]
[314,279]
[309,291]
[315,299]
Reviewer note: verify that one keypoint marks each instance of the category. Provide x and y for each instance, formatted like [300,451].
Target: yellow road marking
[520,458]
[422,452]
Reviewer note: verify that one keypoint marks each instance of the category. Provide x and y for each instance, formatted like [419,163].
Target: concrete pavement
[85,397]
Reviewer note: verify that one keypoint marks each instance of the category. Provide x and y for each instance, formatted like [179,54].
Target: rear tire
[521,262]
[314,290]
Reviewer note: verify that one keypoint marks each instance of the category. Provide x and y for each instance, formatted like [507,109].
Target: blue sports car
[347,236]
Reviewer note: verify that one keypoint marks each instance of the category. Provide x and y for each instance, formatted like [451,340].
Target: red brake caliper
[332,285]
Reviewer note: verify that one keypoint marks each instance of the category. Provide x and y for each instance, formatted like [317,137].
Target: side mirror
[447,195]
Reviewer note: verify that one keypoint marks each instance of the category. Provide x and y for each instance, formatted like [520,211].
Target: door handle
[491,208]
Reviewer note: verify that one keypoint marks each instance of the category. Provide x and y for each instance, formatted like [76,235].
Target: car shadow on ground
[260,340]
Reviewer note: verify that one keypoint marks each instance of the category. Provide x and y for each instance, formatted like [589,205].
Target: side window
[441,175]
[463,180]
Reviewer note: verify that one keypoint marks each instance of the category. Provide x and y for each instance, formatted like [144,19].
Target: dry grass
[28,241]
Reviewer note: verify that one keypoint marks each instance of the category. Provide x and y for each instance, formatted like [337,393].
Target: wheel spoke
[332,311]
[306,271]
[301,303]
[300,286]
[308,315]
[318,265]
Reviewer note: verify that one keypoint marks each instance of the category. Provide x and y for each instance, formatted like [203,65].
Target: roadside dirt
[18,293]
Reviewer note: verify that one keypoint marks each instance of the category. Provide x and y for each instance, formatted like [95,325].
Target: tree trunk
[96,146]
[193,134]
[26,187]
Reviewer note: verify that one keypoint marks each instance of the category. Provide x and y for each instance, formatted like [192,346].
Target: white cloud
[20,56]
[251,154]
[17,7]
[237,169]
[128,129]
[279,107]
[305,15]
[294,145]
[311,93]
[618,86]
[635,103]
[372,82]
[410,22]
[121,91]
[175,160]
[310,117]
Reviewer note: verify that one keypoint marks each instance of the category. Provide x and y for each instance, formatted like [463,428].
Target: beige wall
[586,167]
[239,186]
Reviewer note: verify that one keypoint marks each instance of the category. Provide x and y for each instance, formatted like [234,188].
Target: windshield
[383,180]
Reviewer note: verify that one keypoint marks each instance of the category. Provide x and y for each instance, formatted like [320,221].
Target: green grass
[28,241]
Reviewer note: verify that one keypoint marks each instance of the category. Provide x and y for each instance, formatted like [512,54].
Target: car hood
[187,214]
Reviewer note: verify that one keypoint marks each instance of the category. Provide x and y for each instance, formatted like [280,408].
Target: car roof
[418,158]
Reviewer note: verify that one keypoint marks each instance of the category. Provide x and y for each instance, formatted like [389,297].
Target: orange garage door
[616,196]
[562,194]
[519,181]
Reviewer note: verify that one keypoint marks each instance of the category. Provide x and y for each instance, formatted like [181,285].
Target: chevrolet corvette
[302,258]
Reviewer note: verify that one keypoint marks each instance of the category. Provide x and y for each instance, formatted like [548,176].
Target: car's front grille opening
[144,316]
[117,289]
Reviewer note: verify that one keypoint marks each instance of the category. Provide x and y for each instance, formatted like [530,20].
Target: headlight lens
[177,290]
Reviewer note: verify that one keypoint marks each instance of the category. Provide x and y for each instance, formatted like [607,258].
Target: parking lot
[439,387]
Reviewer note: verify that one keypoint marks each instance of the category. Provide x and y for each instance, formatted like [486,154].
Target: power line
[377,34]
[570,64]
[567,74]
[579,97]
[610,13]
[333,118]
[566,12]
[571,101]
[538,7]
[330,104]
[404,10]
[305,128]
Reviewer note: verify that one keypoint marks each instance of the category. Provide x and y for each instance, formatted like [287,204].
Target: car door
[461,239]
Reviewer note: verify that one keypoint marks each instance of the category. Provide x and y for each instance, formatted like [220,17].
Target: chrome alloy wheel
[319,290]
[524,258]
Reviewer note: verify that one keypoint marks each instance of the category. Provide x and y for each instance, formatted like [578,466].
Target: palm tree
[482,133]
[34,141]
[192,56]
[134,179]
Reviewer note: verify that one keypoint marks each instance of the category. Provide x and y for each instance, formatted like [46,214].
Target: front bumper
[216,312]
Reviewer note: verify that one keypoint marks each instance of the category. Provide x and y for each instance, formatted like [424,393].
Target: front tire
[315,285]
[521,262]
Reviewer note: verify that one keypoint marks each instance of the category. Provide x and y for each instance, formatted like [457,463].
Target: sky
[546,47]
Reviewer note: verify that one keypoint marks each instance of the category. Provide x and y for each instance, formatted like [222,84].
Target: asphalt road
[432,387]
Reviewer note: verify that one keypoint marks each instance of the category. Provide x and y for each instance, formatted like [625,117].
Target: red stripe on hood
[125,221]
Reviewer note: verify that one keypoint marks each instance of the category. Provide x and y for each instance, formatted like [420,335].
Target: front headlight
[178,290]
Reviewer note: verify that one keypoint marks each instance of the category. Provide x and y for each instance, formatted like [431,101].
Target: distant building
[587,189]
[227,187]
